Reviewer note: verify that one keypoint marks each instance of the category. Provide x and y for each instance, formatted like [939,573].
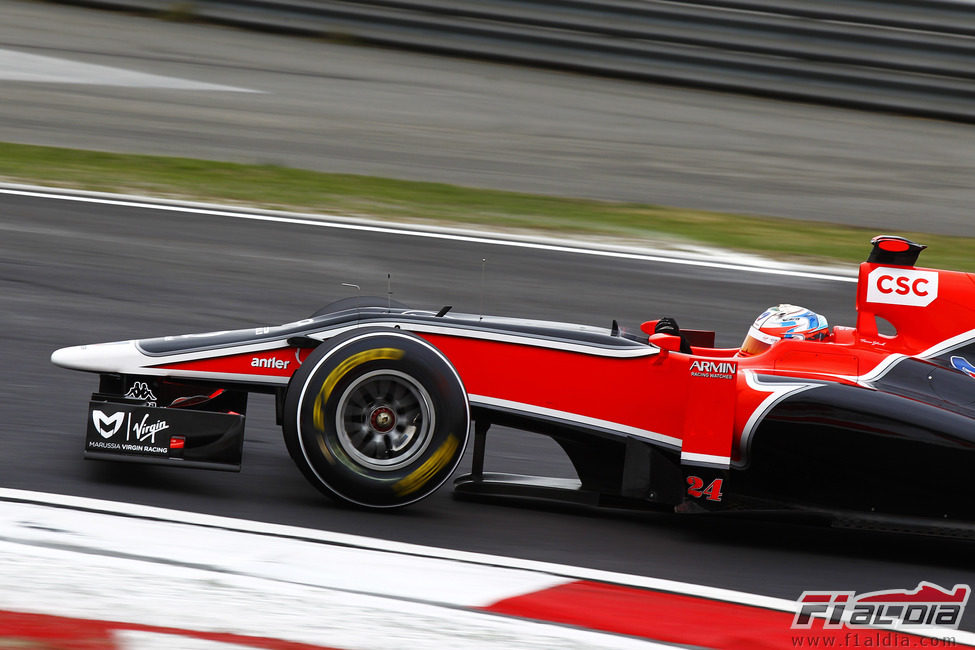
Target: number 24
[712,492]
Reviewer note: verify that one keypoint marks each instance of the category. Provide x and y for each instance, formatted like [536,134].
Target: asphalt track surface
[339,108]
[74,273]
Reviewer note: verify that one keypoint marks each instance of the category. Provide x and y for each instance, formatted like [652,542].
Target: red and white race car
[377,402]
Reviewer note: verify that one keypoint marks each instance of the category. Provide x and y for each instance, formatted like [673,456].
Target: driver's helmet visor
[757,342]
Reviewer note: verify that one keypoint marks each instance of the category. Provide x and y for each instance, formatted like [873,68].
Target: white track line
[399,548]
[448,234]
[285,555]
[158,572]
[369,574]
[472,587]
[67,583]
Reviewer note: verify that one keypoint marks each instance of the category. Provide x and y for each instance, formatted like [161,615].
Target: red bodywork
[704,404]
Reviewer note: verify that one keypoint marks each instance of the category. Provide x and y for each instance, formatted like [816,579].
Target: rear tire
[376,418]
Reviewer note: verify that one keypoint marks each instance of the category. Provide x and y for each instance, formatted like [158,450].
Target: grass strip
[271,186]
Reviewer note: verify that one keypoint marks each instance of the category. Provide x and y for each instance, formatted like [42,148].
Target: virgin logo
[902,286]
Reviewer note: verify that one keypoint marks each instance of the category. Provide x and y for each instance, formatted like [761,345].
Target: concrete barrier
[913,57]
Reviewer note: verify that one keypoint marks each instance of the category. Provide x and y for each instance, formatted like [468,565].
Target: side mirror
[666,342]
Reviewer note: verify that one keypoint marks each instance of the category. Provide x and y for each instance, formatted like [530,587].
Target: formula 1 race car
[377,403]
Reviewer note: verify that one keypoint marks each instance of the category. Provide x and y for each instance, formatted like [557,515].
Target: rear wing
[925,306]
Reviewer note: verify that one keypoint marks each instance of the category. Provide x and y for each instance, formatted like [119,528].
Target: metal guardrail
[915,57]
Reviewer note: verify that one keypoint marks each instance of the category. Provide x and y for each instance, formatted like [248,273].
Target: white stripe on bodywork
[126,357]
[877,372]
[778,391]
[781,390]
[709,460]
[888,363]
[948,344]
[634,352]
[531,409]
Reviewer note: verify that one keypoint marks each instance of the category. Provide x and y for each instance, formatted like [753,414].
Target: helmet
[783,322]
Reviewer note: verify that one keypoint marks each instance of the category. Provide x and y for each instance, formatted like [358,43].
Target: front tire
[376,418]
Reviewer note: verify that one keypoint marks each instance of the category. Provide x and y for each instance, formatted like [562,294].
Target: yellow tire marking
[422,474]
[326,452]
[318,409]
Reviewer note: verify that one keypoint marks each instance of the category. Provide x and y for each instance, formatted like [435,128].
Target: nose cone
[73,357]
[102,357]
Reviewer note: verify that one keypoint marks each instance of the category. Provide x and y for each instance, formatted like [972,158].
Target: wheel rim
[384,419]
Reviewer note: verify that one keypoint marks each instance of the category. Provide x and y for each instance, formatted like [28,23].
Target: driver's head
[783,322]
